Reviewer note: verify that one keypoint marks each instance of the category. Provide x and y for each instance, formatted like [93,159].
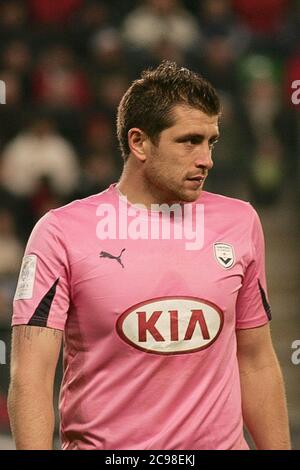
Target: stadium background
[66,63]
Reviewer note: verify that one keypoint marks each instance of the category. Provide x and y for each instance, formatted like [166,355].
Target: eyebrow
[197,136]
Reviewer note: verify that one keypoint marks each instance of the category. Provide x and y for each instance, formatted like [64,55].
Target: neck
[137,189]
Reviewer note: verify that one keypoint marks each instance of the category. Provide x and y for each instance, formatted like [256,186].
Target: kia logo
[171,325]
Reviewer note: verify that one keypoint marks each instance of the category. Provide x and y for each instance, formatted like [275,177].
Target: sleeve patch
[26,278]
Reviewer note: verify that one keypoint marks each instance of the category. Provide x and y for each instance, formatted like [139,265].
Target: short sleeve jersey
[149,326]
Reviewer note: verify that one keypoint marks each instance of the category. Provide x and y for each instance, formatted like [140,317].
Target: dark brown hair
[149,101]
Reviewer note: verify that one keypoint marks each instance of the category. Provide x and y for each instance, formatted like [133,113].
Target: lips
[198,178]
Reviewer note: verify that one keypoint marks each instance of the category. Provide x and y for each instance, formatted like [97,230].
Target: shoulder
[85,206]
[75,216]
[227,207]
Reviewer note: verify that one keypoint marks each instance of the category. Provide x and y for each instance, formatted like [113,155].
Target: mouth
[197,179]
[195,183]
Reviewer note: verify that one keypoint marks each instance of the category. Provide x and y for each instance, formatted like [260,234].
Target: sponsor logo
[105,254]
[224,254]
[171,325]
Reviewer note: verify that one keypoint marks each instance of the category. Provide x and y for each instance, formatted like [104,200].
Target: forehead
[192,119]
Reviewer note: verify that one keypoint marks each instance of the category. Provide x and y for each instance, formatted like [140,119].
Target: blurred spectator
[13,18]
[166,50]
[11,252]
[262,16]
[13,88]
[156,21]
[264,19]
[98,172]
[49,12]
[110,56]
[216,18]
[109,90]
[263,104]
[99,134]
[61,85]
[100,167]
[58,81]
[262,98]
[4,419]
[217,63]
[291,29]
[267,173]
[19,208]
[16,62]
[37,153]
[224,41]
[229,175]
[90,19]
[11,114]
[10,248]
[16,56]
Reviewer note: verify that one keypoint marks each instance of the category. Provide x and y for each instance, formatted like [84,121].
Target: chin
[190,196]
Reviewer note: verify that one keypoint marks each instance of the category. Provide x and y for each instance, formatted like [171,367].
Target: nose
[204,158]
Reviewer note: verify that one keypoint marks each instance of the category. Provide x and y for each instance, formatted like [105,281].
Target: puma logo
[104,254]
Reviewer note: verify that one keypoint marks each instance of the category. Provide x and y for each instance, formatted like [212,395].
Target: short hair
[149,101]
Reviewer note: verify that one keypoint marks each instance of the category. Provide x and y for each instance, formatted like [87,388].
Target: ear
[137,141]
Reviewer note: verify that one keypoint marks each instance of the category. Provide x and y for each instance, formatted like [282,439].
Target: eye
[193,140]
[213,143]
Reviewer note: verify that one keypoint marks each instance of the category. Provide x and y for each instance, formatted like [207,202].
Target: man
[165,346]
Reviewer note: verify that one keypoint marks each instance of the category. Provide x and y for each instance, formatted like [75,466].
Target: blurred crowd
[66,64]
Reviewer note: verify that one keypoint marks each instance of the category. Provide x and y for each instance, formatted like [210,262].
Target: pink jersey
[149,326]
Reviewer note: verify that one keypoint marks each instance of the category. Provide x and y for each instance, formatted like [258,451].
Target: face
[176,168]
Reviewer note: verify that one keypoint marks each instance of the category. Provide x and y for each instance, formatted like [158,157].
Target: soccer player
[166,342]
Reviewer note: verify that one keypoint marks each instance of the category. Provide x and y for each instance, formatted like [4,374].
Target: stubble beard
[165,193]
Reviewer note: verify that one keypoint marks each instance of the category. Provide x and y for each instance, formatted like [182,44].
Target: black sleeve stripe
[40,316]
[264,301]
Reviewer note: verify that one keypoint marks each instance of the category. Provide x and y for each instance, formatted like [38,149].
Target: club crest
[224,254]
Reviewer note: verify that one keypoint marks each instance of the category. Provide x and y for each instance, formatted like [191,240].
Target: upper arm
[42,297]
[34,354]
[252,306]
